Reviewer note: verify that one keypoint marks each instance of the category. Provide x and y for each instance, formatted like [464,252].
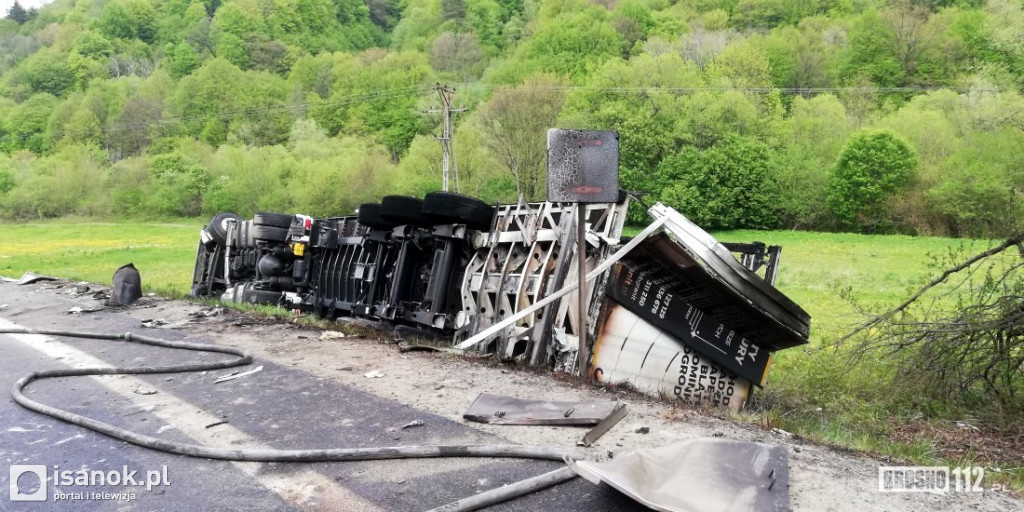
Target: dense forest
[859,115]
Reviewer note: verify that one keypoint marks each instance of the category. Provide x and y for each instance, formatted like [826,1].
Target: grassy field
[91,251]
[808,392]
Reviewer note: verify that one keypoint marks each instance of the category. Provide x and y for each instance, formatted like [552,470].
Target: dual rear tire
[435,208]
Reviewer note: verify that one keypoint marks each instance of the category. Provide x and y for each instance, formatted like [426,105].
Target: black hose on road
[264,454]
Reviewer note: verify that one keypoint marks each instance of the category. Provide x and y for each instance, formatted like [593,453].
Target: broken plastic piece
[32,277]
[699,475]
[506,410]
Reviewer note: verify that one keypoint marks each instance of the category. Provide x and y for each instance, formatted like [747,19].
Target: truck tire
[402,210]
[277,220]
[269,233]
[369,216]
[218,227]
[451,207]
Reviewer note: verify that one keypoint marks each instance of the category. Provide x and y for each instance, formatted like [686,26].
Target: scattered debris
[214,424]
[606,424]
[967,426]
[408,347]
[643,430]
[331,335]
[101,295]
[81,288]
[375,374]
[236,375]
[413,423]
[698,475]
[144,390]
[32,277]
[165,428]
[153,323]
[3,306]
[79,310]
[207,312]
[506,410]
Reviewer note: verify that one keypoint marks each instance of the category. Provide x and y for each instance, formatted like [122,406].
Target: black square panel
[583,166]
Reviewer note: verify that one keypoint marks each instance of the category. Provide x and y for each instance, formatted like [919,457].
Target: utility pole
[449,166]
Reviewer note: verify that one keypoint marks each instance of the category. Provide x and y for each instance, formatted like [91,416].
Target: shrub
[728,186]
[873,168]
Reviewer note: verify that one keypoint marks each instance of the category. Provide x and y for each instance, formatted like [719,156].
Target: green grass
[164,253]
[805,394]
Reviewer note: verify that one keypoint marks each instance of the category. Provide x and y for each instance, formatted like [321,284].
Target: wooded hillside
[862,115]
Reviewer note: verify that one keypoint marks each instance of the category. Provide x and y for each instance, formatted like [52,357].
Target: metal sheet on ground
[699,475]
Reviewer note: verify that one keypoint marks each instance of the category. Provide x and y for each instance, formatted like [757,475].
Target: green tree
[17,13]
[814,135]
[729,186]
[377,98]
[26,124]
[453,10]
[651,124]
[50,73]
[516,122]
[873,168]
[179,185]
[870,54]
[128,19]
[181,59]
[572,45]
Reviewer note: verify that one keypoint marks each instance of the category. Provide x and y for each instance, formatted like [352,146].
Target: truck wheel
[402,210]
[277,220]
[218,227]
[369,216]
[269,233]
[450,207]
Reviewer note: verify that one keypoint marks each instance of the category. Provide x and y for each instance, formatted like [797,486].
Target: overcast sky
[5,5]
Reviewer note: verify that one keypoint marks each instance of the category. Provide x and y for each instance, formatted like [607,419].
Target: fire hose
[270,454]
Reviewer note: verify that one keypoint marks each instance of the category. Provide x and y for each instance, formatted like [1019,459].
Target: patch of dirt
[960,439]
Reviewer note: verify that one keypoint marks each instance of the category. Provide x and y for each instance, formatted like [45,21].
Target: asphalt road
[280,407]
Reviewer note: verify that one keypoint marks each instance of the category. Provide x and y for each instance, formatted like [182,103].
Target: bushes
[873,168]
[728,186]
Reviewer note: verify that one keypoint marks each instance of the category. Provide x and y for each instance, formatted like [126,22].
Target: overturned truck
[670,311]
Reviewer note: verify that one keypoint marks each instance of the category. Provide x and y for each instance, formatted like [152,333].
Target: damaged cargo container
[670,312]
